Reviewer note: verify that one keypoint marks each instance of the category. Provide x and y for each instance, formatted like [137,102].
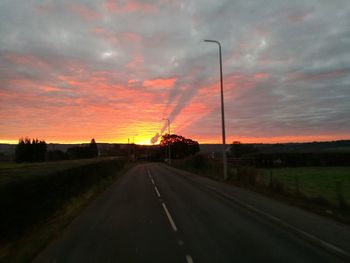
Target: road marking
[169,217]
[149,174]
[180,242]
[189,259]
[155,188]
[150,177]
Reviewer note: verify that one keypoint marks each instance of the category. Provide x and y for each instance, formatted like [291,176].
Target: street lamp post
[169,153]
[134,145]
[222,111]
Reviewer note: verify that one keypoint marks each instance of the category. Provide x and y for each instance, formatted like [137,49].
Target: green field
[314,182]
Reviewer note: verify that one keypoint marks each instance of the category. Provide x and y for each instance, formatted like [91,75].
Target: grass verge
[329,183]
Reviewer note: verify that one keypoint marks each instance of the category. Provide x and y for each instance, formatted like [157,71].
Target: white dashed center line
[189,259]
[172,223]
[156,189]
[149,175]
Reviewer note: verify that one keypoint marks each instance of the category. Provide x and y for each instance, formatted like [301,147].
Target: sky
[113,70]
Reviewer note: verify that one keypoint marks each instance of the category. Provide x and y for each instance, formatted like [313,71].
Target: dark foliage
[180,146]
[115,150]
[56,155]
[30,150]
[83,152]
[199,161]
[93,148]
[308,147]
[33,200]
[239,149]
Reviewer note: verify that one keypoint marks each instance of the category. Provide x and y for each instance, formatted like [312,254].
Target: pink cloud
[159,83]
[22,59]
[84,12]
[130,6]
[49,88]
[261,75]
[136,62]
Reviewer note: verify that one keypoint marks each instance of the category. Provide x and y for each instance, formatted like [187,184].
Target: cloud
[159,83]
[155,138]
[116,68]
[130,6]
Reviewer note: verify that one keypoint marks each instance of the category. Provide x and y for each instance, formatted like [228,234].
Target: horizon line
[14,142]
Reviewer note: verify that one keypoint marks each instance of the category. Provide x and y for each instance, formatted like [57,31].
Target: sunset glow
[112,70]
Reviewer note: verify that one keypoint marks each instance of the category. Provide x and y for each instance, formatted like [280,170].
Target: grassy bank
[330,183]
[38,200]
[325,190]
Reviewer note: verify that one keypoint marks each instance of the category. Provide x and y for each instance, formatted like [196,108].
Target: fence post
[270,181]
[296,184]
[340,196]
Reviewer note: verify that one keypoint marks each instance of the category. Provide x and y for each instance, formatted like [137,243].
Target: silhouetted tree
[93,148]
[180,146]
[30,150]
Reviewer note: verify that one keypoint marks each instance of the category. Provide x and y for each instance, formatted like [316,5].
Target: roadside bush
[199,161]
[31,201]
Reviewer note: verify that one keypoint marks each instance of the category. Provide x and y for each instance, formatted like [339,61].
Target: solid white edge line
[153,181]
[156,189]
[189,259]
[169,217]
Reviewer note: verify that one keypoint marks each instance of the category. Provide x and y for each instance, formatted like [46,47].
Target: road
[154,214]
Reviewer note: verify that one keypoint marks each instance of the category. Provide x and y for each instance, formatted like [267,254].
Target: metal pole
[169,151]
[169,142]
[222,112]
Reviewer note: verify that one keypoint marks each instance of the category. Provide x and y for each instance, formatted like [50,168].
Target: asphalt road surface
[152,214]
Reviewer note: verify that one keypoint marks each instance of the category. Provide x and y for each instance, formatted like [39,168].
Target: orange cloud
[159,83]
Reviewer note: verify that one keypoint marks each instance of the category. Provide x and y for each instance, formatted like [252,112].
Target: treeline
[301,159]
[288,159]
[29,150]
[33,150]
